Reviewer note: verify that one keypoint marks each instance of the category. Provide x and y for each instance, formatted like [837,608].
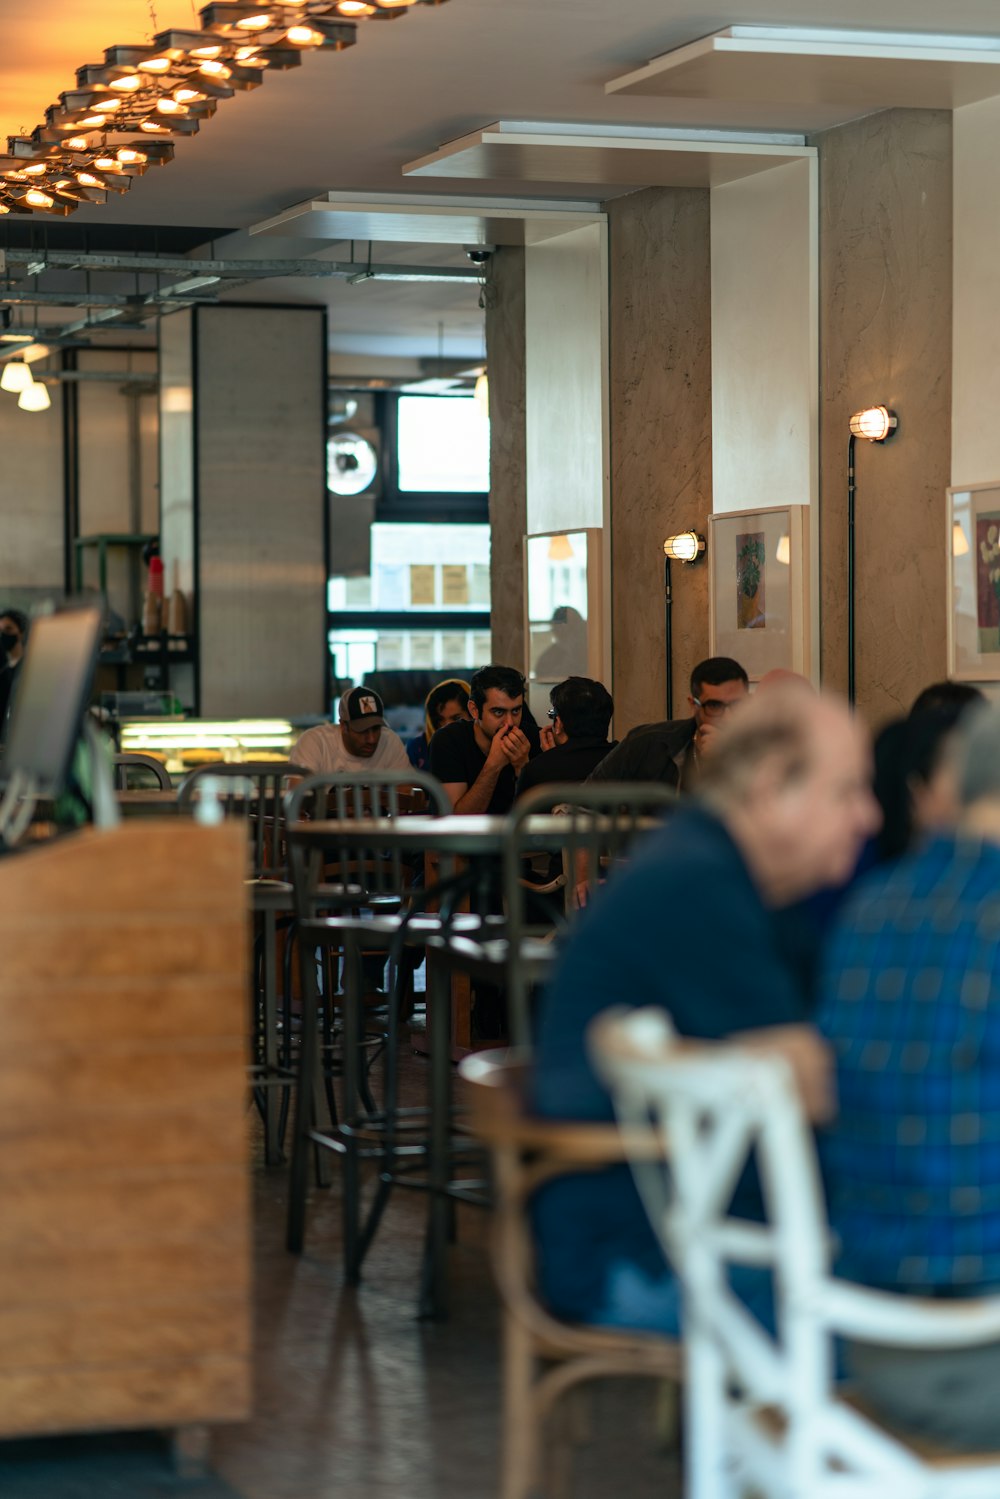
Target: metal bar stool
[143,766]
[256,790]
[350,899]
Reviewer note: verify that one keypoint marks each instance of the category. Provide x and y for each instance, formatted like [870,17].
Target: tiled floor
[355,1398]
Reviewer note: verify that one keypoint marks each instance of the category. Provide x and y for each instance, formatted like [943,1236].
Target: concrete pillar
[243,504]
[661,438]
[885,239]
[505,355]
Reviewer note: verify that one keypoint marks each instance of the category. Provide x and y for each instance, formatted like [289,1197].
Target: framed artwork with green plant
[760,566]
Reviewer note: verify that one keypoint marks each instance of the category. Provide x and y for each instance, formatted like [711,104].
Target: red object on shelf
[155,581]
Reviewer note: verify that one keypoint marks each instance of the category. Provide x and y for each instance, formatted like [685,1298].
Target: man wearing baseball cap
[360,741]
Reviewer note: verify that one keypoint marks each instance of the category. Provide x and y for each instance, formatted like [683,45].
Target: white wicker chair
[764,1414]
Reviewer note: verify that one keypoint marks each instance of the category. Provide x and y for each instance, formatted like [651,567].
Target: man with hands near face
[478,761]
[671,752]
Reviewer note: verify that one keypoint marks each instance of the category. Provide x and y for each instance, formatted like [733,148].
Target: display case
[183,744]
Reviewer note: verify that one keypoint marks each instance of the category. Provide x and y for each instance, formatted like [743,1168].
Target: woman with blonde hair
[446,703]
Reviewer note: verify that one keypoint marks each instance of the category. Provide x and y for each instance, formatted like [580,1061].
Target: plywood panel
[123,1177]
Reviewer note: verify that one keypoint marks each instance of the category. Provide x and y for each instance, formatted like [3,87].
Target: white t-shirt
[322,751]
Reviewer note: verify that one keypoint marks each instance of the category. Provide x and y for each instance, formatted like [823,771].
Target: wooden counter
[124,1191]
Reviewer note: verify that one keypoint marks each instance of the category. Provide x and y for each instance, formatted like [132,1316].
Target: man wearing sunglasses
[671,752]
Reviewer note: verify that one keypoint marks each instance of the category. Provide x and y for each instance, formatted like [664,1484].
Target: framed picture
[973,542]
[759,588]
[563,613]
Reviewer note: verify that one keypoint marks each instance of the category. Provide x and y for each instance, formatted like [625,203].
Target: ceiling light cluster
[162,89]
[18,380]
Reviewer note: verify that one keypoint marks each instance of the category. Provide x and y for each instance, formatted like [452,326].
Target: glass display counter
[183,744]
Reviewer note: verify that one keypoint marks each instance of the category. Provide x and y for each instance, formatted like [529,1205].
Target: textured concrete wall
[885,337]
[506,362]
[661,437]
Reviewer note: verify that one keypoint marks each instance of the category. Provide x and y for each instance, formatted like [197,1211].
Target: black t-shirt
[456,757]
[572,761]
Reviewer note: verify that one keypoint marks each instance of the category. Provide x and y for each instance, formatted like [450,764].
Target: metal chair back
[256,790]
[594,832]
[141,765]
[351,876]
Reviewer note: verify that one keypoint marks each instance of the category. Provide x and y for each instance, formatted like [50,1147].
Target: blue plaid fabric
[910,1002]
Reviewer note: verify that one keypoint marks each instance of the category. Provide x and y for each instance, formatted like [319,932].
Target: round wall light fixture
[688,546]
[876,423]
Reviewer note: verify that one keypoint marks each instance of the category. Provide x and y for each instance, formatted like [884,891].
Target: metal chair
[142,766]
[595,831]
[764,1414]
[256,791]
[351,900]
[543,1356]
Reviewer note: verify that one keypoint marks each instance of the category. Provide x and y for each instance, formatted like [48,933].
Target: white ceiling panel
[812,67]
[416,219]
[616,156]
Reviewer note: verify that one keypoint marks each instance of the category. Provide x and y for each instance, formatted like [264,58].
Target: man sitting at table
[783,808]
[360,741]
[578,739]
[674,752]
[478,760]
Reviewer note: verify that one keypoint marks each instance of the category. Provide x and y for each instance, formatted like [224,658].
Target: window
[442,445]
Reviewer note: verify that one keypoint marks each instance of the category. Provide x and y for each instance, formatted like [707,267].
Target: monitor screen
[50,698]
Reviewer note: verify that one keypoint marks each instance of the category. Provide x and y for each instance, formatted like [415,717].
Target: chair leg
[521,1437]
[390,1122]
[353,1026]
[272,1103]
[304,1108]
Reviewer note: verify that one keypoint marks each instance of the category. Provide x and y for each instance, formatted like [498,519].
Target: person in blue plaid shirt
[912,1164]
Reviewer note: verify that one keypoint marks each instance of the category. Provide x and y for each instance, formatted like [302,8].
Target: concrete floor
[355,1398]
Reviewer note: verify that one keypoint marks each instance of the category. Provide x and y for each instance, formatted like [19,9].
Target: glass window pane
[420,566]
[443,445]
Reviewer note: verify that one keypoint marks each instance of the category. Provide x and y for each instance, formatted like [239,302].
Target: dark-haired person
[13,634]
[580,716]
[479,760]
[670,752]
[446,703]
[952,697]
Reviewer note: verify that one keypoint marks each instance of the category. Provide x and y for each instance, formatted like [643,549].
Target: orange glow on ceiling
[44,46]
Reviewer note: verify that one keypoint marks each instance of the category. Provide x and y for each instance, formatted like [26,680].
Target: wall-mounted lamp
[689,547]
[875,424]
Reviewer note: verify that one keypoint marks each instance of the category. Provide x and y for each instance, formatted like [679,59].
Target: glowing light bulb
[127,83]
[38,199]
[37,169]
[156,65]
[186,95]
[94,122]
[355,8]
[152,128]
[76,143]
[107,164]
[303,36]
[170,107]
[875,423]
[129,156]
[16,375]
[4,208]
[214,70]
[254,23]
[86,179]
[34,397]
[684,548]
